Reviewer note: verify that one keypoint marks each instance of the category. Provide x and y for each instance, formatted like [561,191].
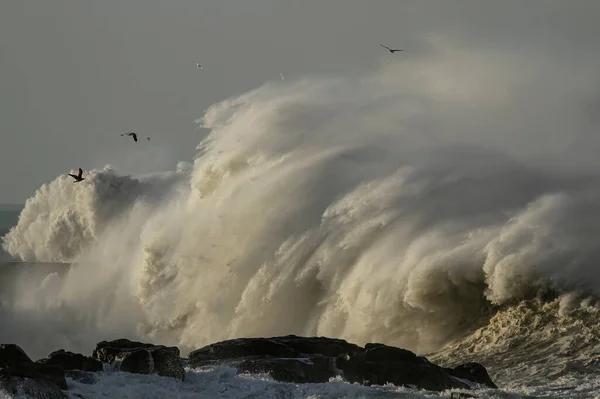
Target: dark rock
[54,374]
[106,351]
[16,369]
[317,345]
[388,354]
[357,368]
[167,363]
[317,359]
[141,358]
[30,388]
[289,346]
[71,361]
[380,364]
[138,361]
[12,355]
[474,372]
[240,348]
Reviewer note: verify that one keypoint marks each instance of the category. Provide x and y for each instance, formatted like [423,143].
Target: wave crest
[385,209]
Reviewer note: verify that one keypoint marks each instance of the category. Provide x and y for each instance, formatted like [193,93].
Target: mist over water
[397,207]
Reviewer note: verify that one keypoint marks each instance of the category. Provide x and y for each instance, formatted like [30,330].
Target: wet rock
[71,361]
[317,359]
[53,374]
[288,358]
[317,345]
[359,367]
[241,348]
[290,346]
[474,372]
[12,355]
[16,368]
[107,351]
[388,354]
[167,363]
[141,358]
[137,361]
[30,388]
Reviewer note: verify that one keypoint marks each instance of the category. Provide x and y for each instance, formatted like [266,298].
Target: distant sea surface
[9,216]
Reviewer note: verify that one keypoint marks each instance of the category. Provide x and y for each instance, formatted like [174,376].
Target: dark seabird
[391,50]
[78,177]
[132,134]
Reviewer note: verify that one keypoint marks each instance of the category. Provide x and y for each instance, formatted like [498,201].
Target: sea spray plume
[93,299]
[61,219]
[396,208]
[277,162]
[550,245]
[413,275]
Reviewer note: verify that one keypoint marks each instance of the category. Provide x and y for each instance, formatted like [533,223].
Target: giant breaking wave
[399,207]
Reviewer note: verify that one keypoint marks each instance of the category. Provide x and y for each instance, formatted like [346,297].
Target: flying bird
[198,65]
[391,50]
[78,177]
[148,138]
[282,78]
[132,134]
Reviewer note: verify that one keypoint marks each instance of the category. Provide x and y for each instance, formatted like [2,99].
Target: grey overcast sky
[74,75]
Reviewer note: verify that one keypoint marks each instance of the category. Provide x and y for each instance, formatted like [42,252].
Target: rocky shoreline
[288,359]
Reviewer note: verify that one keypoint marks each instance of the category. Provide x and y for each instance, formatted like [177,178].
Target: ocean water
[448,205]
[9,216]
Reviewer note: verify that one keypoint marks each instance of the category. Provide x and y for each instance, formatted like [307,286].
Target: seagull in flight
[391,50]
[198,65]
[78,177]
[132,134]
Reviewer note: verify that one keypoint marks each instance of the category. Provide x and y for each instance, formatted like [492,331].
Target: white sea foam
[223,382]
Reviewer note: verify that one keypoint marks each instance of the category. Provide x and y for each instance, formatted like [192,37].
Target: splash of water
[395,208]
